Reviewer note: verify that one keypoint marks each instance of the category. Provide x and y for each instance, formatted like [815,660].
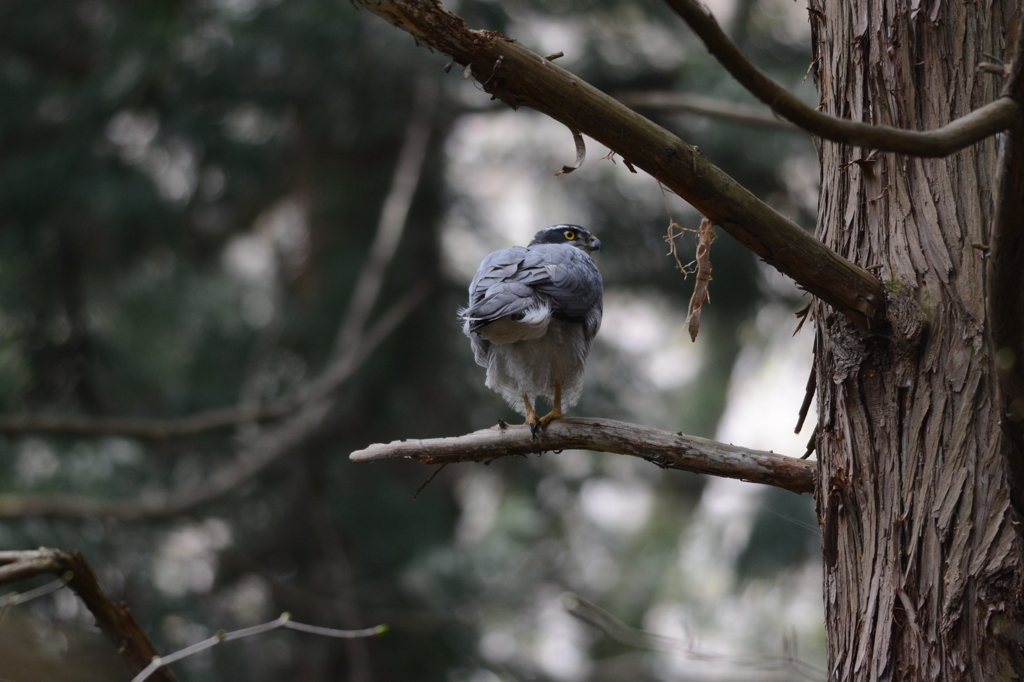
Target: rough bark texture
[922,560]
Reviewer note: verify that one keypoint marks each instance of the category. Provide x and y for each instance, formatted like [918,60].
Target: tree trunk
[923,562]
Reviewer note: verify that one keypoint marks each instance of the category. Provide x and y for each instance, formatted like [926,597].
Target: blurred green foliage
[188,190]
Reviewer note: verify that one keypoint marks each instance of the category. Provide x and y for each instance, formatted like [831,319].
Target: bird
[532,317]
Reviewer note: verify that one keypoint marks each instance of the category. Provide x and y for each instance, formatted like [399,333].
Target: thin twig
[705,106]
[429,479]
[394,215]
[593,614]
[284,621]
[14,598]
[116,621]
[981,123]
[147,428]
[809,389]
[667,450]
[812,444]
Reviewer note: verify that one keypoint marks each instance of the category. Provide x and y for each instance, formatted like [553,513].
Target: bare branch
[284,621]
[520,77]
[592,614]
[269,448]
[705,106]
[667,450]
[963,132]
[393,215]
[116,621]
[142,427]
[1006,284]
[15,598]
[331,380]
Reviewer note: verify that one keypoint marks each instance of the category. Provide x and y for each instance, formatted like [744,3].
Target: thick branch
[1006,284]
[704,106]
[667,450]
[963,132]
[520,77]
[115,620]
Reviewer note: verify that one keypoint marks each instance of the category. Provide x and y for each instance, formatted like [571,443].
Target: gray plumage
[533,314]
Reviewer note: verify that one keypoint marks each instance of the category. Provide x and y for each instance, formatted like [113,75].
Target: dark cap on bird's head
[573,235]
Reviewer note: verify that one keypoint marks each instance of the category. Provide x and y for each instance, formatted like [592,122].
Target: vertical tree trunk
[922,557]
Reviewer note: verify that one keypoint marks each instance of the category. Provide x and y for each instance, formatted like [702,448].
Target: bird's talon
[548,418]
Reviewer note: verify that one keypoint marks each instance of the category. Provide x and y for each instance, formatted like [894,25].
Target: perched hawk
[532,317]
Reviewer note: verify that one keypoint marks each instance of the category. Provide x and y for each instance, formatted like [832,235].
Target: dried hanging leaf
[581,153]
[803,315]
[705,235]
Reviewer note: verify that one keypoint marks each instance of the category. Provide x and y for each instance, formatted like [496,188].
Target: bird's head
[573,235]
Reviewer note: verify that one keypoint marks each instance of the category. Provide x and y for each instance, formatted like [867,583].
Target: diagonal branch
[667,450]
[393,215]
[520,77]
[981,123]
[115,620]
[1006,285]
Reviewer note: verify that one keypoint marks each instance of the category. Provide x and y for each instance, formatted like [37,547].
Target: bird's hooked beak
[595,244]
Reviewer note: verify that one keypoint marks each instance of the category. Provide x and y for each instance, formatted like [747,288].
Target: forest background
[201,207]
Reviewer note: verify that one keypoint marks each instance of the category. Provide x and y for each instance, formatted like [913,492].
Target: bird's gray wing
[502,287]
[573,284]
[513,280]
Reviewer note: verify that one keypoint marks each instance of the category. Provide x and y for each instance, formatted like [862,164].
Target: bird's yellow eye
[570,235]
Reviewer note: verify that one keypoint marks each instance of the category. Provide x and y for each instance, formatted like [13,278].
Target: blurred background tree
[189,192]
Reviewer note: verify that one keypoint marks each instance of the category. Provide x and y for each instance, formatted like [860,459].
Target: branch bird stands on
[663,448]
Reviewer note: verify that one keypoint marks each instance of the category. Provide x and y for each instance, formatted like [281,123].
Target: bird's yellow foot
[550,417]
[532,420]
[556,408]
